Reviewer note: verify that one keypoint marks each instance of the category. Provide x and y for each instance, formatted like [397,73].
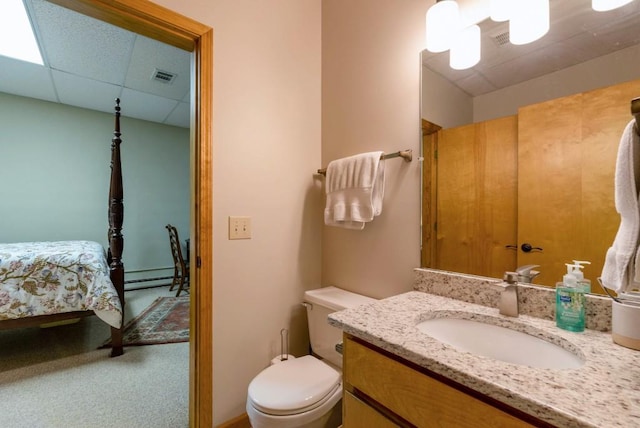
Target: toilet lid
[293,386]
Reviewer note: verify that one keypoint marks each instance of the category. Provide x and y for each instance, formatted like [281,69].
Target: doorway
[169,27]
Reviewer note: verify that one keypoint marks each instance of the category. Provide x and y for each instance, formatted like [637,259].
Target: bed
[46,282]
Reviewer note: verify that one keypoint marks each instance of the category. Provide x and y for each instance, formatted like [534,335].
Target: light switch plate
[239,227]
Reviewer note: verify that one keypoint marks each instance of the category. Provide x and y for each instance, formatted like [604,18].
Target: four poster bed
[45,282]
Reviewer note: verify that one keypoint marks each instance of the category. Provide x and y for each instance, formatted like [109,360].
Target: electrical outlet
[239,227]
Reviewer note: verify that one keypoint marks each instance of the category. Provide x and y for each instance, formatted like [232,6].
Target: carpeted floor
[57,377]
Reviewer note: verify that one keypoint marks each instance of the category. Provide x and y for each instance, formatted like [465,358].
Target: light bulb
[501,10]
[443,21]
[604,5]
[465,48]
[529,21]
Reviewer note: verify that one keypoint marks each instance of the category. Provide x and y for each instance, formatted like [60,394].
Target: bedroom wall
[266,141]
[55,179]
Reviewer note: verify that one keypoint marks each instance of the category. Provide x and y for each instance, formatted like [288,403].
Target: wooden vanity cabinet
[382,390]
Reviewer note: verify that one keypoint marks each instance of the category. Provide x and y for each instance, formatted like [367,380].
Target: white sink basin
[500,343]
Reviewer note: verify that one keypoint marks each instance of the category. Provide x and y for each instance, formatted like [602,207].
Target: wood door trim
[169,27]
[428,204]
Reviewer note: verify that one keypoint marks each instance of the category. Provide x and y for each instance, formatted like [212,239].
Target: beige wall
[371,101]
[267,144]
[266,148]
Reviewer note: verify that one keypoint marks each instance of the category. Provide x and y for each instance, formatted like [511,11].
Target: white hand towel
[620,266]
[355,190]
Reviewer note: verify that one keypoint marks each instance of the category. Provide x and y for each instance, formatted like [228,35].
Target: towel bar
[407,155]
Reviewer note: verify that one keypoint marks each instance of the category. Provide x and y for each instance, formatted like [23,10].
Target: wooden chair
[180,266]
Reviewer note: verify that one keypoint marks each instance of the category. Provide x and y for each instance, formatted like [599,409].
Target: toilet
[306,392]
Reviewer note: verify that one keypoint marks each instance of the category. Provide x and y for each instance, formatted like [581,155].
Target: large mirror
[520,150]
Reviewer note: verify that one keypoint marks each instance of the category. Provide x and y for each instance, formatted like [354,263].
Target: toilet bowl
[302,392]
[306,392]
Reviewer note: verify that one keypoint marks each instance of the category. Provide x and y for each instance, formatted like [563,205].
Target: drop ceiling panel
[85,93]
[89,62]
[26,79]
[146,106]
[77,44]
[149,55]
[476,84]
[527,67]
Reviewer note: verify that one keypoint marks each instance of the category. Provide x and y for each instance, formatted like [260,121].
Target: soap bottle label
[570,308]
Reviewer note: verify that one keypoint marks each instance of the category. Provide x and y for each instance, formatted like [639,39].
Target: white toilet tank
[320,303]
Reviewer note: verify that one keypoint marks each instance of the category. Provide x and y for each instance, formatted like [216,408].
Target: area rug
[166,320]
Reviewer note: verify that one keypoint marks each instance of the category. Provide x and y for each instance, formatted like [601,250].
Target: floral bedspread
[43,278]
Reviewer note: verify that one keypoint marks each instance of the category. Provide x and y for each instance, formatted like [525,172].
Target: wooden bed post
[116,216]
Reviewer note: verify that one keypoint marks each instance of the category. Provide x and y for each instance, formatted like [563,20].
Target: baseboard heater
[151,279]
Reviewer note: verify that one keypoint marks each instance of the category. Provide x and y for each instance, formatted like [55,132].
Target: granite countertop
[604,392]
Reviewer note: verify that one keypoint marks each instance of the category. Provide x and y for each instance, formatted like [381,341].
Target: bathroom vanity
[382,390]
[396,375]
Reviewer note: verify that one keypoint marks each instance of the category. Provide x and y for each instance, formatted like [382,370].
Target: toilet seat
[293,386]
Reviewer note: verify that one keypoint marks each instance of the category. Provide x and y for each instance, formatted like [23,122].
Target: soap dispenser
[577,272]
[570,302]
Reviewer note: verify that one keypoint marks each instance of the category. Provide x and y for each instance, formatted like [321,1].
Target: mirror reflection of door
[543,177]
[568,168]
[567,155]
[476,213]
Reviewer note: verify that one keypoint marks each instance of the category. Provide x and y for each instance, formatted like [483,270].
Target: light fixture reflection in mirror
[605,5]
[451,25]
[583,50]
[529,21]
[465,49]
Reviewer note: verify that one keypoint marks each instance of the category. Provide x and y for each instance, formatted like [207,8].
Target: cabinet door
[357,414]
[415,397]
[476,197]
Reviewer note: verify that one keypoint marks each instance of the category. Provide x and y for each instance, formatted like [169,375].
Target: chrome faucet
[526,273]
[508,304]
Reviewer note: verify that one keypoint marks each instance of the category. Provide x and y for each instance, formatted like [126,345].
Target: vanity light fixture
[443,21]
[605,5]
[528,21]
[500,10]
[465,48]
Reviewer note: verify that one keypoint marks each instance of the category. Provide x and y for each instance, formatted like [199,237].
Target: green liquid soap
[570,307]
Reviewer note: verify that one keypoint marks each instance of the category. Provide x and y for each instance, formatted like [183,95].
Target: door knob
[527,248]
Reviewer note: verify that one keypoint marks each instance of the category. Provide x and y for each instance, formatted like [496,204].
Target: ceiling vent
[163,76]
[501,39]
